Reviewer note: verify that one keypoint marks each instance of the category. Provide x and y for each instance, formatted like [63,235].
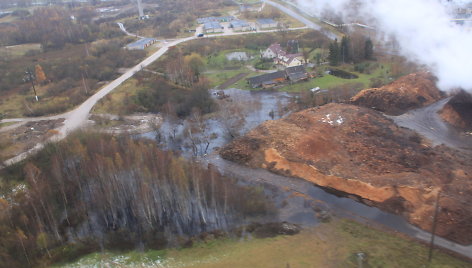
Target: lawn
[19,50]
[332,244]
[219,69]
[330,81]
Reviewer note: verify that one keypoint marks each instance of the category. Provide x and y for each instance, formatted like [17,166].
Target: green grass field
[330,81]
[19,50]
[332,244]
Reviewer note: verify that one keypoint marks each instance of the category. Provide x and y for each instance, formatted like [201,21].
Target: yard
[327,81]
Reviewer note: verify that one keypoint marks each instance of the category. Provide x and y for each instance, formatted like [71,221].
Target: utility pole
[30,77]
[433,231]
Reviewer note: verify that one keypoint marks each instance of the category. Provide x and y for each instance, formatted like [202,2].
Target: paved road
[123,29]
[77,117]
[427,122]
[301,16]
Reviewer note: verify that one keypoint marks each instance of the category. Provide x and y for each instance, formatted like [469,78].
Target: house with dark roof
[268,80]
[296,73]
[291,74]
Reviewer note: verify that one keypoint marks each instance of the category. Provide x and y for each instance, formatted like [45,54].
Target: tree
[40,75]
[196,63]
[334,54]
[369,49]
[345,49]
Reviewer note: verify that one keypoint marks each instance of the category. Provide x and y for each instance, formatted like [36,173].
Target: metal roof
[239,23]
[212,25]
[214,19]
[141,43]
[266,21]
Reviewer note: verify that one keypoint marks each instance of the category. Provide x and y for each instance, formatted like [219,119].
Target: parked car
[201,35]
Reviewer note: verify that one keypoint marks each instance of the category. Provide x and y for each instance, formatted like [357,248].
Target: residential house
[273,51]
[266,24]
[290,60]
[240,25]
[281,57]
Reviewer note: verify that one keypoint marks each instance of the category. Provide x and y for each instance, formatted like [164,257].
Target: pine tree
[345,49]
[369,50]
[334,54]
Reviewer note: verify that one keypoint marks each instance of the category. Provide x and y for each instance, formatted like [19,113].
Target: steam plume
[423,29]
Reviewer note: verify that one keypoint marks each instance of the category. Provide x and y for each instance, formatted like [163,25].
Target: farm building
[215,19]
[296,73]
[267,80]
[266,23]
[292,74]
[240,25]
[212,27]
[141,43]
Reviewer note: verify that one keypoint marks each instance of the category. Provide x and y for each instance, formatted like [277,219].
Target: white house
[290,60]
[273,51]
[276,52]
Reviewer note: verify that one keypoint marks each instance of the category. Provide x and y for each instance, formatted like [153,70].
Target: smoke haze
[423,30]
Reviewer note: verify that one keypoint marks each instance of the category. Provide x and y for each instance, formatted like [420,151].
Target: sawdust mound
[458,111]
[409,92]
[360,152]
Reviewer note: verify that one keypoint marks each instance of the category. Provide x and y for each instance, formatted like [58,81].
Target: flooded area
[240,111]
[298,201]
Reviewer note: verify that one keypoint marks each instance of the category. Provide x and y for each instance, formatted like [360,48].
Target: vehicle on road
[200,35]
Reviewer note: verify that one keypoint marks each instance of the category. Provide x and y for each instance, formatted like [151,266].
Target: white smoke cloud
[423,30]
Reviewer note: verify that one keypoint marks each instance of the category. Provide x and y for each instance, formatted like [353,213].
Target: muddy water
[212,133]
[298,201]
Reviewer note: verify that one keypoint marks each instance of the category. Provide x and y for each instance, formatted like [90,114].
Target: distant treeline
[54,27]
[96,191]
